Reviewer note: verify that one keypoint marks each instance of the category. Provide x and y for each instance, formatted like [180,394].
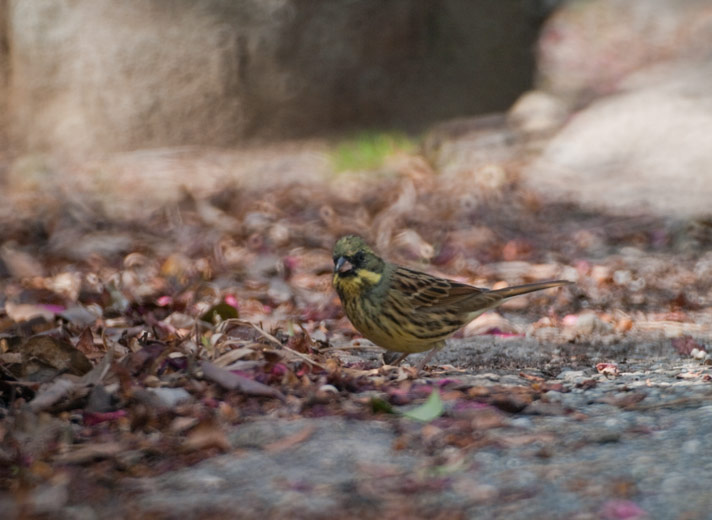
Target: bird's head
[355,263]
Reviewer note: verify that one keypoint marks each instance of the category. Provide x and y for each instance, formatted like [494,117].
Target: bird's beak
[342,265]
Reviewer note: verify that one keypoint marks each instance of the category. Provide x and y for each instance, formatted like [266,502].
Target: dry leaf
[207,435]
[289,441]
[232,381]
[88,452]
[45,351]
[52,393]
[19,312]
[233,355]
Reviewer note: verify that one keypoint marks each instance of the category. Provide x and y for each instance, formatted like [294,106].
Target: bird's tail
[516,290]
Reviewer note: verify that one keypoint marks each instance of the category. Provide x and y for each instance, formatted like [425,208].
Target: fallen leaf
[626,401]
[233,355]
[530,377]
[42,350]
[51,393]
[94,418]
[85,343]
[11,358]
[290,440]
[181,424]
[232,381]
[96,375]
[99,401]
[169,398]
[80,315]
[19,263]
[509,399]
[587,384]
[220,312]
[19,312]
[89,452]
[431,409]
[622,510]
[686,344]
[607,369]
[379,405]
[527,438]
[207,435]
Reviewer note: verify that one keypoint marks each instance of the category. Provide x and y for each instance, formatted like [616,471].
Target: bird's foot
[426,359]
[393,358]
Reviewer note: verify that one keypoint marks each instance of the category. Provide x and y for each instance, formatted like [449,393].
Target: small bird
[409,311]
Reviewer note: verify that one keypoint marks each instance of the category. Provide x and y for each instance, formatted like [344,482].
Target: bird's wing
[426,292]
[422,290]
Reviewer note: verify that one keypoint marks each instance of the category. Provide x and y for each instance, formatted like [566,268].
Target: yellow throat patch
[354,285]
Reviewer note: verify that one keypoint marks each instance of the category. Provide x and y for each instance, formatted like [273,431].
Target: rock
[469,145]
[572,376]
[91,76]
[638,141]
[578,51]
[169,398]
[537,114]
[642,150]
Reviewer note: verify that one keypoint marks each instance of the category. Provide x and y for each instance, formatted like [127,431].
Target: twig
[276,342]
[304,357]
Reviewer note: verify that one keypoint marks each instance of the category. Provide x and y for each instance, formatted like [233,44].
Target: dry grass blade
[304,357]
[262,332]
[274,341]
[233,355]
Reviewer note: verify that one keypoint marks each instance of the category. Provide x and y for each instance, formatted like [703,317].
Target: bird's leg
[390,359]
[426,359]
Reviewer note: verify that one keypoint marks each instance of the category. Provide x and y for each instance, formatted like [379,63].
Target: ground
[192,360]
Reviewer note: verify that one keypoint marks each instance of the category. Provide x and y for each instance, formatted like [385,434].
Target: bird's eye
[358,258]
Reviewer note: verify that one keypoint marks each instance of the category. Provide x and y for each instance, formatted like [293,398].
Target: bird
[407,311]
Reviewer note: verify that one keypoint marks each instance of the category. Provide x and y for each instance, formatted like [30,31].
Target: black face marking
[353,251]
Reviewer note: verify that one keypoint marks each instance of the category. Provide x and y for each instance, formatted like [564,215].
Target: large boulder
[589,48]
[623,118]
[93,76]
[646,149]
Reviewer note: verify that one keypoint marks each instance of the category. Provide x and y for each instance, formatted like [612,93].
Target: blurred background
[407,121]
[595,91]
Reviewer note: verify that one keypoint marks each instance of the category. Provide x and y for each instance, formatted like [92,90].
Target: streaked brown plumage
[409,311]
